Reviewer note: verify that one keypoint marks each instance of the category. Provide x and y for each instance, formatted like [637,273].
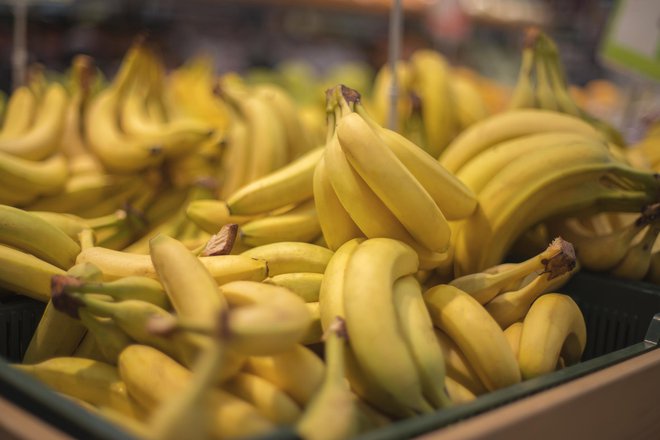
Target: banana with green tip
[476,333]
[553,327]
[125,288]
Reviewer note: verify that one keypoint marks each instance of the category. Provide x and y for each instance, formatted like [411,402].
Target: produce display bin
[622,322]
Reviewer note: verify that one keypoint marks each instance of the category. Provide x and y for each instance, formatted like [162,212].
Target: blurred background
[317,36]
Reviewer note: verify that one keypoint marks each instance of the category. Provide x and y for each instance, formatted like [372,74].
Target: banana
[513,333]
[31,234]
[553,327]
[117,151]
[399,190]
[478,171]
[579,178]
[431,78]
[211,215]
[505,126]
[457,366]
[454,199]
[636,262]
[89,349]
[290,257]
[92,381]
[129,287]
[287,185]
[523,92]
[110,339]
[264,319]
[26,274]
[417,329]
[368,211]
[379,346]
[178,269]
[223,268]
[41,140]
[19,113]
[236,157]
[186,413]
[297,139]
[336,223]
[486,285]
[334,400]
[306,285]
[45,177]
[298,372]
[382,91]
[274,404]
[512,306]
[545,94]
[457,392]
[298,224]
[476,333]
[69,224]
[152,378]
[314,332]
[57,334]
[470,106]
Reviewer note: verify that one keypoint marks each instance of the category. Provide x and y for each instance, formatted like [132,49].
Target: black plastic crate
[620,318]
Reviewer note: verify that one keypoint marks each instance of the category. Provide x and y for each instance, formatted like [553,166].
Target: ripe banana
[457,366]
[399,190]
[273,403]
[19,113]
[43,137]
[152,378]
[476,333]
[31,234]
[336,223]
[334,400]
[290,257]
[417,328]
[178,269]
[306,285]
[513,333]
[287,185]
[224,268]
[26,274]
[130,287]
[45,177]
[298,372]
[211,215]
[379,346]
[264,319]
[92,381]
[298,224]
[457,392]
[636,262]
[553,327]
[505,126]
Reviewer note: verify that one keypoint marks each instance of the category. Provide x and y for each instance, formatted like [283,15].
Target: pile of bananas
[215,267]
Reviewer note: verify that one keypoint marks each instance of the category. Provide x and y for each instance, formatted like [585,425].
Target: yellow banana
[306,285]
[19,113]
[336,223]
[417,329]
[41,140]
[334,400]
[152,378]
[314,332]
[45,177]
[513,333]
[637,260]
[290,256]
[273,403]
[298,224]
[26,274]
[289,184]
[457,392]
[470,106]
[476,333]
[457,366]
[211,215]
[505,126]
[129,287]
[553,327]
[92,381]
[223,268]
[29,233]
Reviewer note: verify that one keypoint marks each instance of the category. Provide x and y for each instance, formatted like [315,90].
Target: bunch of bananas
[212,269]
